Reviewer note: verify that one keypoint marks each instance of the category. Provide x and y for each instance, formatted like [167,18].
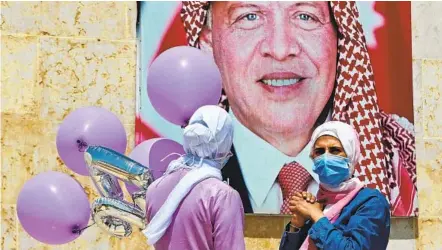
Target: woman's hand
[306,207]
[297,221]
[307,196]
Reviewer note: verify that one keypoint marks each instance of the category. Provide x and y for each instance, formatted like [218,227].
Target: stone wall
[59,56]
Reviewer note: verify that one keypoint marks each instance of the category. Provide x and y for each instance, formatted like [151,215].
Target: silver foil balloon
[107,161]
[111,212]
[106,184]
[139,199]
[116,217]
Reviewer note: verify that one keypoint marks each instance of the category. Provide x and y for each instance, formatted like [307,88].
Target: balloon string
[79,231]
[169,156]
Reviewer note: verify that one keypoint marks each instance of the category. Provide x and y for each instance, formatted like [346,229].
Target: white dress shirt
[260,164]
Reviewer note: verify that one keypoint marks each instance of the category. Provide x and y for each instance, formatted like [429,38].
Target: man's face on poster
[277,60]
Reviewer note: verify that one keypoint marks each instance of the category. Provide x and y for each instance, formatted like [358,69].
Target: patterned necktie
[292,177]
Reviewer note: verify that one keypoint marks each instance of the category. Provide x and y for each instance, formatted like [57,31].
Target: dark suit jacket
[232,172]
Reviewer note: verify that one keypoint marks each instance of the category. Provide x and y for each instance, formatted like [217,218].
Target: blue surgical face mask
[332,170]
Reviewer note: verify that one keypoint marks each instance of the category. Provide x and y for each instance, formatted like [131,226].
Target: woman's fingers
[298,194]
[305,195]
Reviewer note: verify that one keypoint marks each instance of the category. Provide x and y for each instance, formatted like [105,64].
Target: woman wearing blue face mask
[345,214]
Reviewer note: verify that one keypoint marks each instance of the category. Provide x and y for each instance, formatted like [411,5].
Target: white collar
[260,162]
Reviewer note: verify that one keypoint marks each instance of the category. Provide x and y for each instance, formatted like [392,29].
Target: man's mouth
[283,85]
[281,82]
[281,79]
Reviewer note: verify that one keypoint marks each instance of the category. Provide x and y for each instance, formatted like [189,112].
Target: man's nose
[279,43]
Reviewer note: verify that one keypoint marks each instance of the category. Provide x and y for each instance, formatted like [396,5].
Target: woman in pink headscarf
[388,161]
[354,217]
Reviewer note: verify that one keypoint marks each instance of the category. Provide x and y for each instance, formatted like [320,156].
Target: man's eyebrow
[308,3]
[234,6]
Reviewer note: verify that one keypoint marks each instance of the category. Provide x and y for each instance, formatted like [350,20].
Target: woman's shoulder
[372,196]
[371,192]
[217,188]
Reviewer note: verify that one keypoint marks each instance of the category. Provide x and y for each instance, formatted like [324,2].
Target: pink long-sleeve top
[210,217]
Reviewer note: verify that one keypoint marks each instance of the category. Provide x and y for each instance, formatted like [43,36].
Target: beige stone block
[17,162]
[429,156]
[429,233]
[59,18]
[430,189]
[431,96]
[130,132]
[263,232]
[79,73]
[417,99]
[46,159]
[20,17]
[9,223]
[402,244]
[131,19]
[45,155]
[20,91]
[105,20]
[403,227]
[262,243]
[24,130]
[261,226]
[136,241]
[426,23]
[420,151]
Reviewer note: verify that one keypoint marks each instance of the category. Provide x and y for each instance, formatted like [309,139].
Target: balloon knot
[82,145]
[185,124]
[78,230]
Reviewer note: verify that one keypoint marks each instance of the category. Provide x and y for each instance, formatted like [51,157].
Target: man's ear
[206,44]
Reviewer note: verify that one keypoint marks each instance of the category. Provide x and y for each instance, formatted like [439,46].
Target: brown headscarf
[355,101]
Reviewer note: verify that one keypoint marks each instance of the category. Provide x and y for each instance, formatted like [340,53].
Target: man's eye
[249,21]
[251,17]
[305,17]
[306,21]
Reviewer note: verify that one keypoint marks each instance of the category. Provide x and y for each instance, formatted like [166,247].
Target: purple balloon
[156,154]
[88,126]
[52,206]
[181,80]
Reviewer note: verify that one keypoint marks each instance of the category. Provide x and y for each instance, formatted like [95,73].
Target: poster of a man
[286,68]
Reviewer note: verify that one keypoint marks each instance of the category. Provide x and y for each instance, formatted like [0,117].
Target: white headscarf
[349,139]
[207,142]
